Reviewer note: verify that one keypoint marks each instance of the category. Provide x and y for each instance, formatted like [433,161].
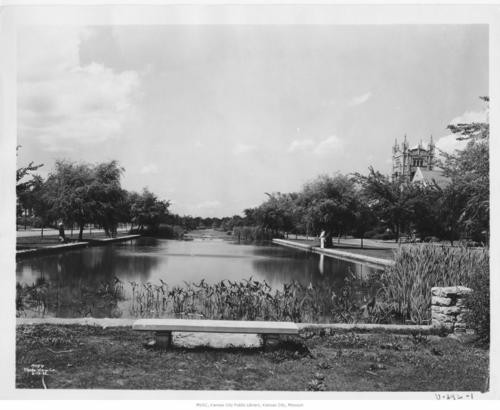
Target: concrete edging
[50,249]
[371,328]
[303,327]
[73,245]
[336,253]
[291,244]
[85,321]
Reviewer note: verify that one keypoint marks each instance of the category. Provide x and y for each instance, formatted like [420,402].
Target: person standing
[62,236]
[322,238]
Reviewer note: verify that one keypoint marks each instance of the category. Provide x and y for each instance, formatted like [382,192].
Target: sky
[211,117]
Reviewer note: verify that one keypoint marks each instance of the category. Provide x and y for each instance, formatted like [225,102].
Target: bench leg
[163,340]
[264,341]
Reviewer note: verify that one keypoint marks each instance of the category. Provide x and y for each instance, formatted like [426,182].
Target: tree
[390,200]
[469,172]
[425,218]
[329,203]
[108,196]
[24,184]
[81,193]
[39,202]
[364,217]
[274,215]
[68,194]
[147,210]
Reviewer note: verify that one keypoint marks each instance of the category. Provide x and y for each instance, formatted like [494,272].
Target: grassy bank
[90,357]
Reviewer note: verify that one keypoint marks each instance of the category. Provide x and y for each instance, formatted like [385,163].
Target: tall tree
[68,194]
[108,196]
[469,171]
[25,179]
[147,211]
[329,204]
[390,200]
[81,193]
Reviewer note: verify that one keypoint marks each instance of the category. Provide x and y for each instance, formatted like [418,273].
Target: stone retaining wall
[448,308]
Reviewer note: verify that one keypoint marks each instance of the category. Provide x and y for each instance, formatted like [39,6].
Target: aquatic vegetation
[405,292]
[99,299]
[249,299]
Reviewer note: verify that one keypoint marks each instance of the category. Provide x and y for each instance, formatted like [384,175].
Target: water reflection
[76,277]
[321,266]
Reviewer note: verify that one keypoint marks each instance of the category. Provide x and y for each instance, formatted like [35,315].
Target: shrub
[478,304]
[385,236]
[405,292]
[253,233]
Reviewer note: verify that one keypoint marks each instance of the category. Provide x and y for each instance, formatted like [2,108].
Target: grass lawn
[92,357]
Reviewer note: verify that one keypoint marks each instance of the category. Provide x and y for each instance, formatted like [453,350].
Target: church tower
[406,159]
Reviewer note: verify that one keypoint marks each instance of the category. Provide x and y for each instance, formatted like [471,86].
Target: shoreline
[26,253]
[348,256]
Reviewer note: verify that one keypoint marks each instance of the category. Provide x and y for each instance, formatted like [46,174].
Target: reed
[405,292]
[249,300]
[97,299]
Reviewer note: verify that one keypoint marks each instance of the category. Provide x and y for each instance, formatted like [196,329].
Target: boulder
[440,301]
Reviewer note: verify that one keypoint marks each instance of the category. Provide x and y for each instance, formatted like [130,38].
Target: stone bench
[163,328]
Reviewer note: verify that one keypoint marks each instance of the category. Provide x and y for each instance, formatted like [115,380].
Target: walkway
[378,257]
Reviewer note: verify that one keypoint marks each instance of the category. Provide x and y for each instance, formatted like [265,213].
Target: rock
[437,291]
[462,317]
[440,301]
[446,310]
[442,320]
[463,291]
[150,345]
[218,340]
[459,329]
[450,291]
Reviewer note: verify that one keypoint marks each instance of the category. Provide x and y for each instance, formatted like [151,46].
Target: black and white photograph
[292,199]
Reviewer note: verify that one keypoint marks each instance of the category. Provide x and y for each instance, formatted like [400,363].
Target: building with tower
[417,164]
[406,160]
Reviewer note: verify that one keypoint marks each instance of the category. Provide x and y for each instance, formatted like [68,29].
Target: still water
[76,278]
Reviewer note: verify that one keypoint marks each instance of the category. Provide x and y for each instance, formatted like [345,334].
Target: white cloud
[329,145]
[208,205]
[360,99]
[62,102]
[470,116]
[301,145]
[243,149]
[149,169]
[449,143]
[326,146]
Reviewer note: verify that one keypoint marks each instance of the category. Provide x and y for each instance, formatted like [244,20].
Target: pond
[101,281]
